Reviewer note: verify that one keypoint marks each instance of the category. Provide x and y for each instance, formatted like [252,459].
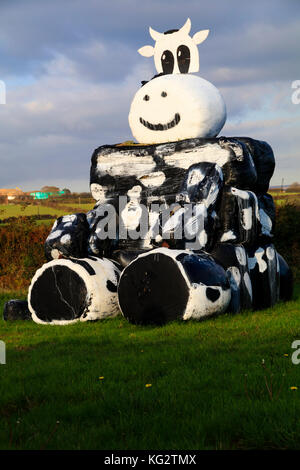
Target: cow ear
[146,51]
[200,36]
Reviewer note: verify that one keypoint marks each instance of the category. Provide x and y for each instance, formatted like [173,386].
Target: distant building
[11,194]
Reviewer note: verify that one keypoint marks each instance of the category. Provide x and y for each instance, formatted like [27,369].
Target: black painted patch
[167,62]
[212,294]
[85,265]
[111,286]
[58,294]
[183,58]
[153,290]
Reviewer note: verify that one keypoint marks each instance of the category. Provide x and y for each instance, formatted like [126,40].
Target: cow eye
[183,58]
[167,62]
[163,94]
[146,98]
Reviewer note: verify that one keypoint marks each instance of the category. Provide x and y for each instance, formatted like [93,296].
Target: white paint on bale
[98,192]
[55,254]
[248,284]
[55,234]
[247,218]
[262,265]
[227,236]
[266,222]
[270,252]
[211,153]
[153,180]
[195,177]
[199,306]
[184,106]
[65,239]
[100,303]
[124,163]
[203,238]
[241,255]
[69,218]
[132,213]
[240,193]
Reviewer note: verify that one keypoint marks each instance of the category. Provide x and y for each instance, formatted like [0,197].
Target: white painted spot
[69,218]
[248,284]
[195,177]
[270,252]
[153,180]
[55,253]
[124,164]
[65,239]
[266,222]
[55,234]
[262,265]
[135,192]
[247,218]
[240,193]
[241,255]
[98,192]
[228,236]
[203,238]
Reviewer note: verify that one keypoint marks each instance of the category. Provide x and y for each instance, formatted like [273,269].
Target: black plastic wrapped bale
[166,285]
[234,260]
[16,309]
[239,216]
[286,279]
[68,237]
[263,266]
[159,169]
[64,291]
[264,161]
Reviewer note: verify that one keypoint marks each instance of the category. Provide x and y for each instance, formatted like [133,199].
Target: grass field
[84,386]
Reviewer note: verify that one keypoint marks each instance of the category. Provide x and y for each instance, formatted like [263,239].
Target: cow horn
[155,34]
[186,27]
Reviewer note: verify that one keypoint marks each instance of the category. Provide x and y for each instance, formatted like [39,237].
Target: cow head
[175,51]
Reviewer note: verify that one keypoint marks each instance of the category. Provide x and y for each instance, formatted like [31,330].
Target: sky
[71,69]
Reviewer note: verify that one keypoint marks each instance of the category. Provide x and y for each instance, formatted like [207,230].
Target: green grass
[17,210]
[208,384]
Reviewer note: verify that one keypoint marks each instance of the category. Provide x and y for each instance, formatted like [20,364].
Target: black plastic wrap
[264,161]
[234,260]
[68,237]
[16,310]
[238,216]
[263,266]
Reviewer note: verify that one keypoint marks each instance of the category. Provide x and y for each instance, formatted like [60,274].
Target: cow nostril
[146,98]
[164,94]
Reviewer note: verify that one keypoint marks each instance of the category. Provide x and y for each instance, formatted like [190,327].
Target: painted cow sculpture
[213,252]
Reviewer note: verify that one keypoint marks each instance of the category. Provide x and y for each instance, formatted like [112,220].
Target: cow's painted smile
[161,127]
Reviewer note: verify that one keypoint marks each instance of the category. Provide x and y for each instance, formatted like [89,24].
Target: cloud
[72,68]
